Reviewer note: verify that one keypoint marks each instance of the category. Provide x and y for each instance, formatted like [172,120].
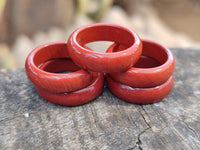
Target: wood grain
[29,122]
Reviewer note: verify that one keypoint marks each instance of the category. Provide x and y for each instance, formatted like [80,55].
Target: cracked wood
[29,122]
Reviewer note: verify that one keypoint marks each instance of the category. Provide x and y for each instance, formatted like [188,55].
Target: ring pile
[137,71]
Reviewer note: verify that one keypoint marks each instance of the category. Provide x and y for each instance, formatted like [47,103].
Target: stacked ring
[138,71]
[149,80]
[104,62]
[56,83]
[140,95]
[147,76]
[78,97]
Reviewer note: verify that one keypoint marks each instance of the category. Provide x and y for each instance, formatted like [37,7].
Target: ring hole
[63,72]
[147,62]
[105,32]
[99,46]
[59,66]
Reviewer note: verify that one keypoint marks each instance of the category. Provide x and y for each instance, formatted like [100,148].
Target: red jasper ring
[148,76]
[140,95]
[79,97]
[104,62]
[52,82]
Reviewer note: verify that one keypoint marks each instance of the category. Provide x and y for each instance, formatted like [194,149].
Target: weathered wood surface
[29,122]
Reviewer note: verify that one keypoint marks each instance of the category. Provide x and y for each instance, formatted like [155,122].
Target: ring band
[104,62]
[53,82]
[140,95]
[79,97]
[150,76]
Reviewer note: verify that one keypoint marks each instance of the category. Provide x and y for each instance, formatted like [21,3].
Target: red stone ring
[53,82]
[140,95]
[79,97]
[104,62]
[141,76]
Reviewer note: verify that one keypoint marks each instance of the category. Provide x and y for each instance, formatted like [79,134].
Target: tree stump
[27,121]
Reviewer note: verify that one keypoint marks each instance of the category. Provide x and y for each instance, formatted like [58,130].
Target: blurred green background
[26,24]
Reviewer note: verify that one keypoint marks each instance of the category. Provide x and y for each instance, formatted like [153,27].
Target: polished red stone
[53,82]
[78,97]
[140,95]
[145,74]
[104,62]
